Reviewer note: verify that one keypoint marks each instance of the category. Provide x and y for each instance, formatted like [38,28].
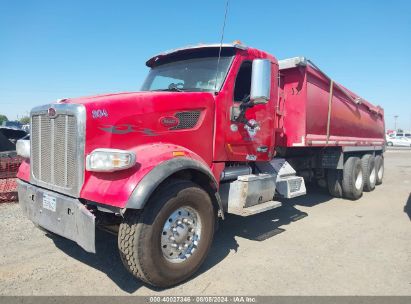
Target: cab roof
[225,47]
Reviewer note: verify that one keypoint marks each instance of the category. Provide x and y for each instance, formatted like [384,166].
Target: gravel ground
[314,245]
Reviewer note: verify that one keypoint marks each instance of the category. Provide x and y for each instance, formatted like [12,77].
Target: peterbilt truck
[215,130]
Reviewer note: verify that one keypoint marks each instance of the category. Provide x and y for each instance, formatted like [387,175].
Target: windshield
[194,75]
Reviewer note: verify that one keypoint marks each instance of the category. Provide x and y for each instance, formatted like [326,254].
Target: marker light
[109,160]
[179,153]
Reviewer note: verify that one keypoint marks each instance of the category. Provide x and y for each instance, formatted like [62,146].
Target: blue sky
[55,49]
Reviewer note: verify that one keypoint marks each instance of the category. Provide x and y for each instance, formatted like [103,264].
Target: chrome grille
[56,149]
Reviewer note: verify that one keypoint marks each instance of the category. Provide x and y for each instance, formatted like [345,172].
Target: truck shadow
[407,207]
[260,227]
[257,228]
[106,259]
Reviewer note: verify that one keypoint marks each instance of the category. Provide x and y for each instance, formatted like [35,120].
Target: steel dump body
[308,118]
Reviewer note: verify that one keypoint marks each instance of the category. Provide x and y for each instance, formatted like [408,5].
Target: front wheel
[168,241]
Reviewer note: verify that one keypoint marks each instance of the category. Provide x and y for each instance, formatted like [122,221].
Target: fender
[161,172]
[24,171]
[122,189]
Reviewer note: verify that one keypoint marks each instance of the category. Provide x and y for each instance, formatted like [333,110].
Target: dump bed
[309,117]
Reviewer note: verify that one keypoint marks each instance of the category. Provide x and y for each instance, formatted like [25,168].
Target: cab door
[253,141]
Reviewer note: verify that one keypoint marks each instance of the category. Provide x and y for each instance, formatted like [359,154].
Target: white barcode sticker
[49,202]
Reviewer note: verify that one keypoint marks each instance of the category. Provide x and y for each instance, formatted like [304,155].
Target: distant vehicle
[408,135]
[12,124]
[26,128]
[9,137]
[392,133]
[400,141]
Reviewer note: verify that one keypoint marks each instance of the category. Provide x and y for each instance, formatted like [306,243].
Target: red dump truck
[215,129]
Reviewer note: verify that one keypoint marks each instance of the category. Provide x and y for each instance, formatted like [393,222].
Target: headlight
[23,148]
[109,160]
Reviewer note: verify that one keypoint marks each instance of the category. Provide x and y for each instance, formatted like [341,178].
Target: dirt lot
[314,245]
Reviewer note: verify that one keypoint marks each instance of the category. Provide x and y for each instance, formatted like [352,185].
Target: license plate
[49,202]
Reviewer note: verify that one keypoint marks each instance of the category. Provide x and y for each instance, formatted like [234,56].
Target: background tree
[3,118]
[25,120]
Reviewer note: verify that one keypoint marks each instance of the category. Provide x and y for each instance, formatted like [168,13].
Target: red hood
[119,106]
[99,97]
[125,120]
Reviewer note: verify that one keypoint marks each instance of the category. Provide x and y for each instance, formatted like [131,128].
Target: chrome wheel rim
[372,176]
[358,181]
[181,234]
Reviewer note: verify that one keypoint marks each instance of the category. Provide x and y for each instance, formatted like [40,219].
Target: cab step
[255,209]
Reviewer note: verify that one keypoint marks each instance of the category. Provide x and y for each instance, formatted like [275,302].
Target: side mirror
[260,81]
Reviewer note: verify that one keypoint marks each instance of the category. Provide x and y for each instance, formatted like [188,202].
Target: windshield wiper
[174,89]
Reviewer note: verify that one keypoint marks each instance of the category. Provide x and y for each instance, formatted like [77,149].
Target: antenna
[221,46]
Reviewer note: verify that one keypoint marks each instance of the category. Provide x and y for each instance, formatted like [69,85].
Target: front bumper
[71,219]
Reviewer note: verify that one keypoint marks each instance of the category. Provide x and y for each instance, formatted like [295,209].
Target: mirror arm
[245,104]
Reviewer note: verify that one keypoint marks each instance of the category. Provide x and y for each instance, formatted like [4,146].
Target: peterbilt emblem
[51,112]
[169,121]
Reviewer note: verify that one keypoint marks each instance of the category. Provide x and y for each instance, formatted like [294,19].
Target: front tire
[353,178]
[169,239]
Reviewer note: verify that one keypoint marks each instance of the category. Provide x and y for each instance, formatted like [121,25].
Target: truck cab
[225,74]
[205,136]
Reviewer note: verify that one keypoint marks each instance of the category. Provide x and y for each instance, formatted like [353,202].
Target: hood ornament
[51,112]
